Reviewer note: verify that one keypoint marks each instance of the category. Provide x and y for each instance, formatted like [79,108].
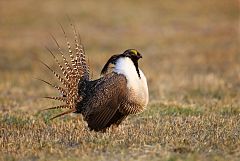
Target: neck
[137,69]
[106,66]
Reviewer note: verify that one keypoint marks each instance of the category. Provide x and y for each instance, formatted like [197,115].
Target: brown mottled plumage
[121,90]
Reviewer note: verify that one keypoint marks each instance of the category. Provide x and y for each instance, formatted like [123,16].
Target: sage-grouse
[120,91]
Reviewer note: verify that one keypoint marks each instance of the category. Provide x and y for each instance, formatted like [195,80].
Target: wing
[106,98]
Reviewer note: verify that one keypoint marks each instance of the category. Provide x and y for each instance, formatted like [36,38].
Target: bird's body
[111,98]
[120,91]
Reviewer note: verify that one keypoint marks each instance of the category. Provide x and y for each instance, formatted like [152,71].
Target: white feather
[126,67]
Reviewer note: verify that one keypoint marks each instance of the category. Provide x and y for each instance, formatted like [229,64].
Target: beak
[139,56]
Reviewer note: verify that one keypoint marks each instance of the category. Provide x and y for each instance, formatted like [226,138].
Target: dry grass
[191,59]
[178,133]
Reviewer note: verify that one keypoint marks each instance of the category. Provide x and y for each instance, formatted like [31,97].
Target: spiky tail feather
[72,73]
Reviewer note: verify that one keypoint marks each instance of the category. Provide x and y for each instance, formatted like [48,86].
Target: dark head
[132,54]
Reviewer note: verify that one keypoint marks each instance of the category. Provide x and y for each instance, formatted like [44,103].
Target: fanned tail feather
[60,89]
[64,113]
[72,73]
[64,71]
[63,99]
[62,80]
[68,67]
[82,65]
[56,107]
[70,51]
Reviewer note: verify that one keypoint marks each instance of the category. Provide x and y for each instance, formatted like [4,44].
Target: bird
[121,89]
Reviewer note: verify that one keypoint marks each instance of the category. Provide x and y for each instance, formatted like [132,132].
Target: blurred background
[190,48]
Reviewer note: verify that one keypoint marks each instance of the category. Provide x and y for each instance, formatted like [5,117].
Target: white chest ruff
[138,88]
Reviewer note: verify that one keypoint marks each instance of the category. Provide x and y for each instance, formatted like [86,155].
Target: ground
[191,59]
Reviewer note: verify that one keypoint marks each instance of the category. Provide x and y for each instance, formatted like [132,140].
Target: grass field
[191,58]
